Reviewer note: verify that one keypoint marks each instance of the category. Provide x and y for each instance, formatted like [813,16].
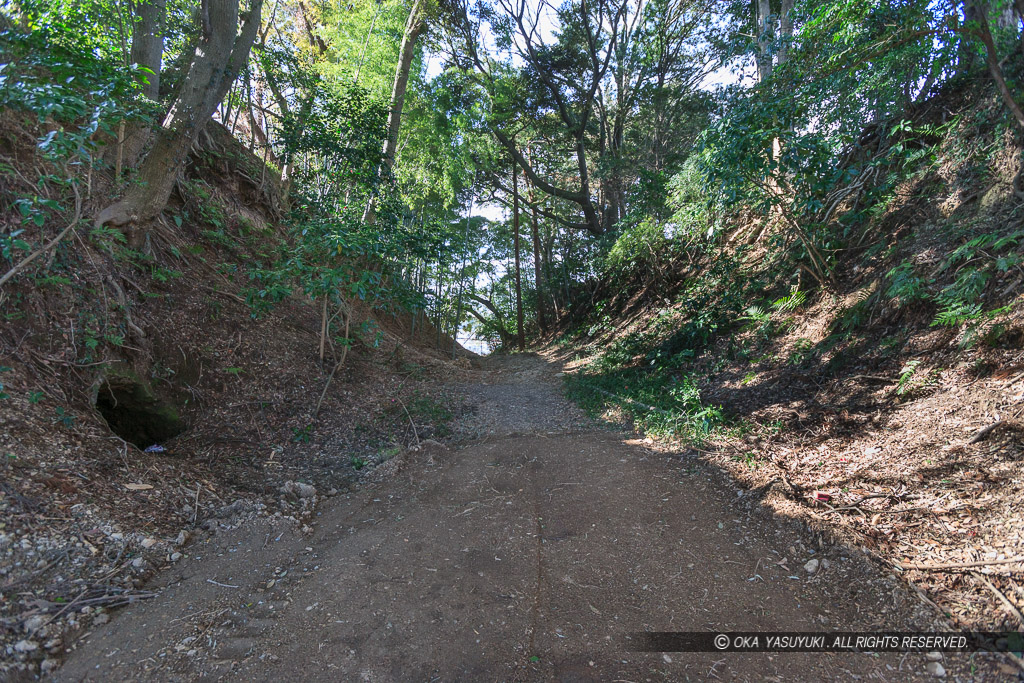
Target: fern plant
[905,286]
[755,317]
[791,303]
[904,385]
[960,302]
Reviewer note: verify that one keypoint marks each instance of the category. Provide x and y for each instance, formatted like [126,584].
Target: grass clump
[662,404]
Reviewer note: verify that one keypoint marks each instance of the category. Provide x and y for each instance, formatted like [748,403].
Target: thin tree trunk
[535,234]
[148,43]
[414,28]
[785,30]
[366,42]
[437,299]
[462,275]
[992,60]
[765,66]
[763,57]
[538,278]
[323,328]
[520,334]
[221,53]
[548,244]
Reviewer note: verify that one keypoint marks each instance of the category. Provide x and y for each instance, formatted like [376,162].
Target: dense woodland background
[619,137]
[758,229]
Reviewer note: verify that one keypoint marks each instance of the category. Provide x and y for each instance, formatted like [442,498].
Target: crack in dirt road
[528,554]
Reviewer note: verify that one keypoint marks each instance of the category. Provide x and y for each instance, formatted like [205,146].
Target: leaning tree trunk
[414,28]
[992,59]
[506,337]
[220,55]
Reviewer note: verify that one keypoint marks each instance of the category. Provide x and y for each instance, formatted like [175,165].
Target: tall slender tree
[414,28]
[542,322]
[520,334]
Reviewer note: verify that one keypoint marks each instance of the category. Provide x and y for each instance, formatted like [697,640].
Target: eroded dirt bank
[529,553]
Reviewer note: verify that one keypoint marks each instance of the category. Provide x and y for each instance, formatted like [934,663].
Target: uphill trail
[530,552]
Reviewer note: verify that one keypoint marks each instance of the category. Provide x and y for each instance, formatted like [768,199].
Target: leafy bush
[697,212]
[69,85]
[640,250]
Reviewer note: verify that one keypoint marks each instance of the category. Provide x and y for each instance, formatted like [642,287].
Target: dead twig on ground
[229,295]
[1002,597]
[414,432]
[195,512]
[856,504]
[873,378]
[111,597]
[938,567]
[982,433]
[1015,659]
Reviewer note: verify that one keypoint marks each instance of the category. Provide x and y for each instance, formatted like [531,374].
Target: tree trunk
[549,275]
[537,276]
[765,65]
[305,105]
[992,59]
[593,218]
[414,28]
[502,334]
[146,50]
[520,335]
[506,338]
[462,278]
[148,43]
[785,30]
[221,53]
[763,57]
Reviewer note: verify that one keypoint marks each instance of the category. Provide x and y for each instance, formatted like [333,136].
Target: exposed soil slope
[161,340]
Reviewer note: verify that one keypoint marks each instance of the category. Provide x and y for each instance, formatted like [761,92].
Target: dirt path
[529,554]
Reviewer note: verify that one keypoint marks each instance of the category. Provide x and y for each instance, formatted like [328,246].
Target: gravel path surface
[520,394]
[523,557]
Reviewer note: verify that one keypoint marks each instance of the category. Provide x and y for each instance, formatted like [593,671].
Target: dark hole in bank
[135,415]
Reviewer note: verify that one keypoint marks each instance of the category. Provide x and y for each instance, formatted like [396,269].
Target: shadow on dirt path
[530,553]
